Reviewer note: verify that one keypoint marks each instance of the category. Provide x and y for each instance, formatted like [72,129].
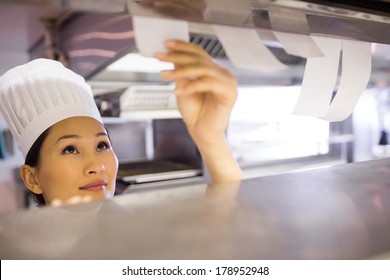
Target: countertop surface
[340,212]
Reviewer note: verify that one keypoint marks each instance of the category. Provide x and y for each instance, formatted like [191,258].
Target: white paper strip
[355,74]
[319,79]
[152,33]
[291,29]
[245,49]
[298,44]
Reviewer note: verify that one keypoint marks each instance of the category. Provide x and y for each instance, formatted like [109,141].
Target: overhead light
[134,62]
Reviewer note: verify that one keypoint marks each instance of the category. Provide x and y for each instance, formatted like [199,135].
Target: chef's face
[76,159]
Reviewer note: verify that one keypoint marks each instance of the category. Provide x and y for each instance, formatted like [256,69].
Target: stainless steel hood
[367,21]
[94,33]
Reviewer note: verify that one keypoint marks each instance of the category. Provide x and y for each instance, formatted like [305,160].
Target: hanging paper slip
[355,74]
[245,49]
[152,33]
[319,79]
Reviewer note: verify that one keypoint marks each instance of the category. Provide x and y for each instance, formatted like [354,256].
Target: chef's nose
[94,166]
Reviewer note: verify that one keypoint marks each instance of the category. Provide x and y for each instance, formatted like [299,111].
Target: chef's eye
[103,146]
[69,150]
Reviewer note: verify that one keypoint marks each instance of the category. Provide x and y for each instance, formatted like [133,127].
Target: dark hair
[33,159]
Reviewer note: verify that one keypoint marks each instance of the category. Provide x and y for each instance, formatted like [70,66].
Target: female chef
[68,154]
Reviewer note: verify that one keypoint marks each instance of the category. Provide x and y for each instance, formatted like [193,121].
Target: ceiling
[92,39]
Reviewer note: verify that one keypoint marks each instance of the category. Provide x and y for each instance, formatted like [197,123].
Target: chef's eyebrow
[101,134]
[68,136]
[76,136]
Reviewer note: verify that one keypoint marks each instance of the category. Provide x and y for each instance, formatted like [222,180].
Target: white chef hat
[40,93]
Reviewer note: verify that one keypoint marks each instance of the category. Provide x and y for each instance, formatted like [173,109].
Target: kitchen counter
[340,212]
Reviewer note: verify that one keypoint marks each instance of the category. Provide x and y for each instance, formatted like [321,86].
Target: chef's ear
[29,176]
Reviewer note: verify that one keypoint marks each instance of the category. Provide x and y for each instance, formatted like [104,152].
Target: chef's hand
[206,93]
